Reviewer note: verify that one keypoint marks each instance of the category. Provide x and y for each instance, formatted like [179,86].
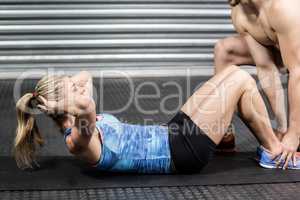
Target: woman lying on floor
[185,145]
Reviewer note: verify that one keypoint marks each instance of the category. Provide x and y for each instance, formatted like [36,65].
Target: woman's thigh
[212,106]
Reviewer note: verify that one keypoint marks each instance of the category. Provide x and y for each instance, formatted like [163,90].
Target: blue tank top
[132,148]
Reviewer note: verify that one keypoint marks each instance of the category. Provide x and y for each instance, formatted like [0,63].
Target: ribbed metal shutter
[106,34]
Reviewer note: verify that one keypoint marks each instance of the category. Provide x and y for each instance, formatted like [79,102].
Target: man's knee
[220,50]
[223,48]
[223,53]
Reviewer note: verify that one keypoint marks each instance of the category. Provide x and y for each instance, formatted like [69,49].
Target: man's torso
[247,20]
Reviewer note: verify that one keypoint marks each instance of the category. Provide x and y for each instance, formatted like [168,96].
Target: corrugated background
[110,34]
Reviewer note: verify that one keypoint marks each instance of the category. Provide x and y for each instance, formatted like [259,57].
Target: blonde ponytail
[28,137]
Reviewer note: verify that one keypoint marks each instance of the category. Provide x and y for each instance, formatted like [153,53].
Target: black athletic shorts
[191,148]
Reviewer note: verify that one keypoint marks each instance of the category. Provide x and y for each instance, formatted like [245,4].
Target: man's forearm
[294,101]
[269,78]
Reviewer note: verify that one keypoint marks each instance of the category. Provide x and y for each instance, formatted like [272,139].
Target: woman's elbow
[87,75]
[85,105]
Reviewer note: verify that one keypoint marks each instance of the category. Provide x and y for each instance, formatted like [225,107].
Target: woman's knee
[232,69]
[244,78]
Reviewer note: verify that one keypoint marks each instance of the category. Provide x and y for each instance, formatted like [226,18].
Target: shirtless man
[269,37]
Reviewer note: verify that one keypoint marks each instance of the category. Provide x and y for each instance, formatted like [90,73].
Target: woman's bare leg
[212,106]
[253,111]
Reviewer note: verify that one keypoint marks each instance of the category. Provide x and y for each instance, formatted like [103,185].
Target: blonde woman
[185,145]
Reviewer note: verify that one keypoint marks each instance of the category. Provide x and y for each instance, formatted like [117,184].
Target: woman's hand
[76,97]
[74,105]
[49,107]
[84,83]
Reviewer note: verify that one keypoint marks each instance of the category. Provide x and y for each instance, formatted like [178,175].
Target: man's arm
[284,18]
[287,27]
[269,77]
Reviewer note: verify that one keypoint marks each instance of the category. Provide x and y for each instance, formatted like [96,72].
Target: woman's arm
[82,108]
[82,142]
[78,103]
[84,124]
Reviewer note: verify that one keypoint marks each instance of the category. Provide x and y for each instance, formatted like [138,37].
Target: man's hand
[290,143]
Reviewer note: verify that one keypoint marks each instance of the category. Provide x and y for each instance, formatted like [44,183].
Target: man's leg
[212,106]
[231,51]
[245,50]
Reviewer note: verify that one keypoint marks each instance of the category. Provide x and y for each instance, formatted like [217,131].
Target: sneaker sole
[273,167]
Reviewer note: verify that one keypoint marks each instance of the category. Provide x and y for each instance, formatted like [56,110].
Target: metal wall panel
[110,33]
